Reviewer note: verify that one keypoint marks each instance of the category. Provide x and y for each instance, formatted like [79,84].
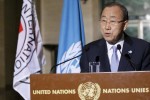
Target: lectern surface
[91,86]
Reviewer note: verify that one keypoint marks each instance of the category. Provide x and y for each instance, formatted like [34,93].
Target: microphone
[97,59]
[119,47]
[86,49]
[127,57]
[98,64]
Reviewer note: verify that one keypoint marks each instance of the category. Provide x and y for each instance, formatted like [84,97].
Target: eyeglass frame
[111,21]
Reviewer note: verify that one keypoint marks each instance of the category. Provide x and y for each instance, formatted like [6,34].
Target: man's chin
[110,41]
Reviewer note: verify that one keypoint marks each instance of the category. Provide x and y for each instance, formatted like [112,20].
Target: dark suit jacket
[138,60]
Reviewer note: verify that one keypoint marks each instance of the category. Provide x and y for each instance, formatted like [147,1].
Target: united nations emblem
[89,91]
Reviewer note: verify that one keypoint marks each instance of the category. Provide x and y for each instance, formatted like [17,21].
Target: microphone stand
[64,62]
[127,57]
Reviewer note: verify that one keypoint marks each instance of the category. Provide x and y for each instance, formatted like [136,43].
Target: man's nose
[107,26]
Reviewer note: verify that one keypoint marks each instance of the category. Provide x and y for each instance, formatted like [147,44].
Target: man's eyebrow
[103,16]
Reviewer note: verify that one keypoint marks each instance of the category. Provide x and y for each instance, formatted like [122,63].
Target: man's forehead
[112,12]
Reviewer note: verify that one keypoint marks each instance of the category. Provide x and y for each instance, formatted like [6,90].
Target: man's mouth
[107,34]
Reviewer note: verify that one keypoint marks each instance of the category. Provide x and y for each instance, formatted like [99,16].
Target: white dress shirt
[110,50]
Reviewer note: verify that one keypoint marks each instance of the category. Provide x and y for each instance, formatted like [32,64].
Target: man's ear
[125,25]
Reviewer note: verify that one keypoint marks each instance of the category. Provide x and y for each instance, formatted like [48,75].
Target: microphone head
[118,46]
[97,59]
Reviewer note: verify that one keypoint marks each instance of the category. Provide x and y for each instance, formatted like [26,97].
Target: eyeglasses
[111,22]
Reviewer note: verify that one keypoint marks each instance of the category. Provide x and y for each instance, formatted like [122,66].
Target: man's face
[112,24]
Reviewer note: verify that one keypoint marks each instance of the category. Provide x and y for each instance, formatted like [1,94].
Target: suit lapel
[105,66]
[127,49]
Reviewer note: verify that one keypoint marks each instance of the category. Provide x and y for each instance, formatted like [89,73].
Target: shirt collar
[121,41]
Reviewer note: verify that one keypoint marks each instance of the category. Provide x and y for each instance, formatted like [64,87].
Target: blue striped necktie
[114,60]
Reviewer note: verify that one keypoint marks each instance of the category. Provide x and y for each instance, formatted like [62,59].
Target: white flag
[29,55]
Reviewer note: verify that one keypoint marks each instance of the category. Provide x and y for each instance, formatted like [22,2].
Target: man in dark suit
[116,51]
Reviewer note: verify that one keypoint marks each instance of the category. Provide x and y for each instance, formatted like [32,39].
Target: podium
[91,86]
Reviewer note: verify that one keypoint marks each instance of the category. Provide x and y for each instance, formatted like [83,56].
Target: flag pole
[33,21]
